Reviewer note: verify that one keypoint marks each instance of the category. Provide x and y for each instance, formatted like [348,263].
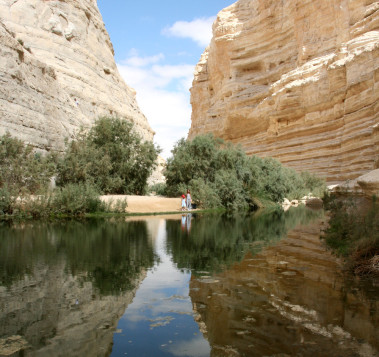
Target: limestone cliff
[296,80]
[58,72]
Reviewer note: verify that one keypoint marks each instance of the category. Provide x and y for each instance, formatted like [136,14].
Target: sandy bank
[147,204]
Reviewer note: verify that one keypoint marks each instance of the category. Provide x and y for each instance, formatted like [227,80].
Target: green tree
[221,174]
[22,171]
[112,156]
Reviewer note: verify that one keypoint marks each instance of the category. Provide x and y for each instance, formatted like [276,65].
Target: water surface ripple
[186,285]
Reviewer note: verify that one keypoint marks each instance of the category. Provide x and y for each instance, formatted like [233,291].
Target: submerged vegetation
[353,233]
[221,174]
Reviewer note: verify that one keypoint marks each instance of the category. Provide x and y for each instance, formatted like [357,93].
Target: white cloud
[162,94]
[137,61]
[197,347]
[198,30]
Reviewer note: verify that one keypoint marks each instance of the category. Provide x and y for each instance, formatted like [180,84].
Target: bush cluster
[22,172]
[221,174]
[353,233]
[70,200]
[109,158]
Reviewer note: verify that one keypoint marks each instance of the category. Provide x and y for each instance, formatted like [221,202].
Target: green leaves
[23,171]
[221,174]
[111,156]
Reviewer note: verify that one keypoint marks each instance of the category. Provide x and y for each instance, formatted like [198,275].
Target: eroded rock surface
[296,80]
[58,72]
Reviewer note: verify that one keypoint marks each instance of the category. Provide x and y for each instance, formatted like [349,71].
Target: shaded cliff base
[353,230]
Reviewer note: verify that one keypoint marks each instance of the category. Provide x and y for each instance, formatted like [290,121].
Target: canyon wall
[296,80]
[58,72]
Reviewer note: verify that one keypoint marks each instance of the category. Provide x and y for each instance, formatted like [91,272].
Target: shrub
[119,206]
[112,156]
[6,201]
[190,160]
[353,233]
[203,194]
[220,173]
[230,190]
[35,206]
[77,199]
[23,171]
[158,188]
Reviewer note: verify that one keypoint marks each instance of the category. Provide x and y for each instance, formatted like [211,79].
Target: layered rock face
[58,72]
[296,80]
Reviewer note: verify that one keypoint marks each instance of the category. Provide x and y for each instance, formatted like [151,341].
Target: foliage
[221,174]
[158,188]
[23,171]
[111,156]
[353,233]
[71,200]
[6,201]
[116,207]
[77,199]
[203,193]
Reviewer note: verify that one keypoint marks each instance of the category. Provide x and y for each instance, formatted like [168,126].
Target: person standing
[183,202]
[188,199]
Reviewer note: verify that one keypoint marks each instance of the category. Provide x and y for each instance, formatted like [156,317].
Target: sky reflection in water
[160,321]
[192,285]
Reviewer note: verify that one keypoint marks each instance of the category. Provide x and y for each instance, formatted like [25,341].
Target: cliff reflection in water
[65,285]
[291,299]
[252,285]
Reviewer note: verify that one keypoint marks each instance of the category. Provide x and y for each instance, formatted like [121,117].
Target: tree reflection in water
[109,254]
[212,242]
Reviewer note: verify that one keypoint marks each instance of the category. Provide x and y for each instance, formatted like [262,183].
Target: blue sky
[157,45]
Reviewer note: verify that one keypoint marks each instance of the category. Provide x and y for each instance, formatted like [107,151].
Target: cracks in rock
[14,2]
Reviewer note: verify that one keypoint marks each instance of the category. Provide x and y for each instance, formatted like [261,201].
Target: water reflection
[190,285]
[110,255]
[160,321]
[186,222]
[289,300]
[213,242]
[65,285]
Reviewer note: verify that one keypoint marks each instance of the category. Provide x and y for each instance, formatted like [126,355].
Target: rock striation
[58,73]
[296,80]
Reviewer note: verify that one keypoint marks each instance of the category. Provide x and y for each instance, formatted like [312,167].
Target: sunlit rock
[296,81]
[366,185]
[58,72]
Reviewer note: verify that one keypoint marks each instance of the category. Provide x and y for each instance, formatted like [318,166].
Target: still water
[186,285]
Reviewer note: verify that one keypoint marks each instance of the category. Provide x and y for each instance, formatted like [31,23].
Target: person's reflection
[189,216]
[186,222]
[183,222]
